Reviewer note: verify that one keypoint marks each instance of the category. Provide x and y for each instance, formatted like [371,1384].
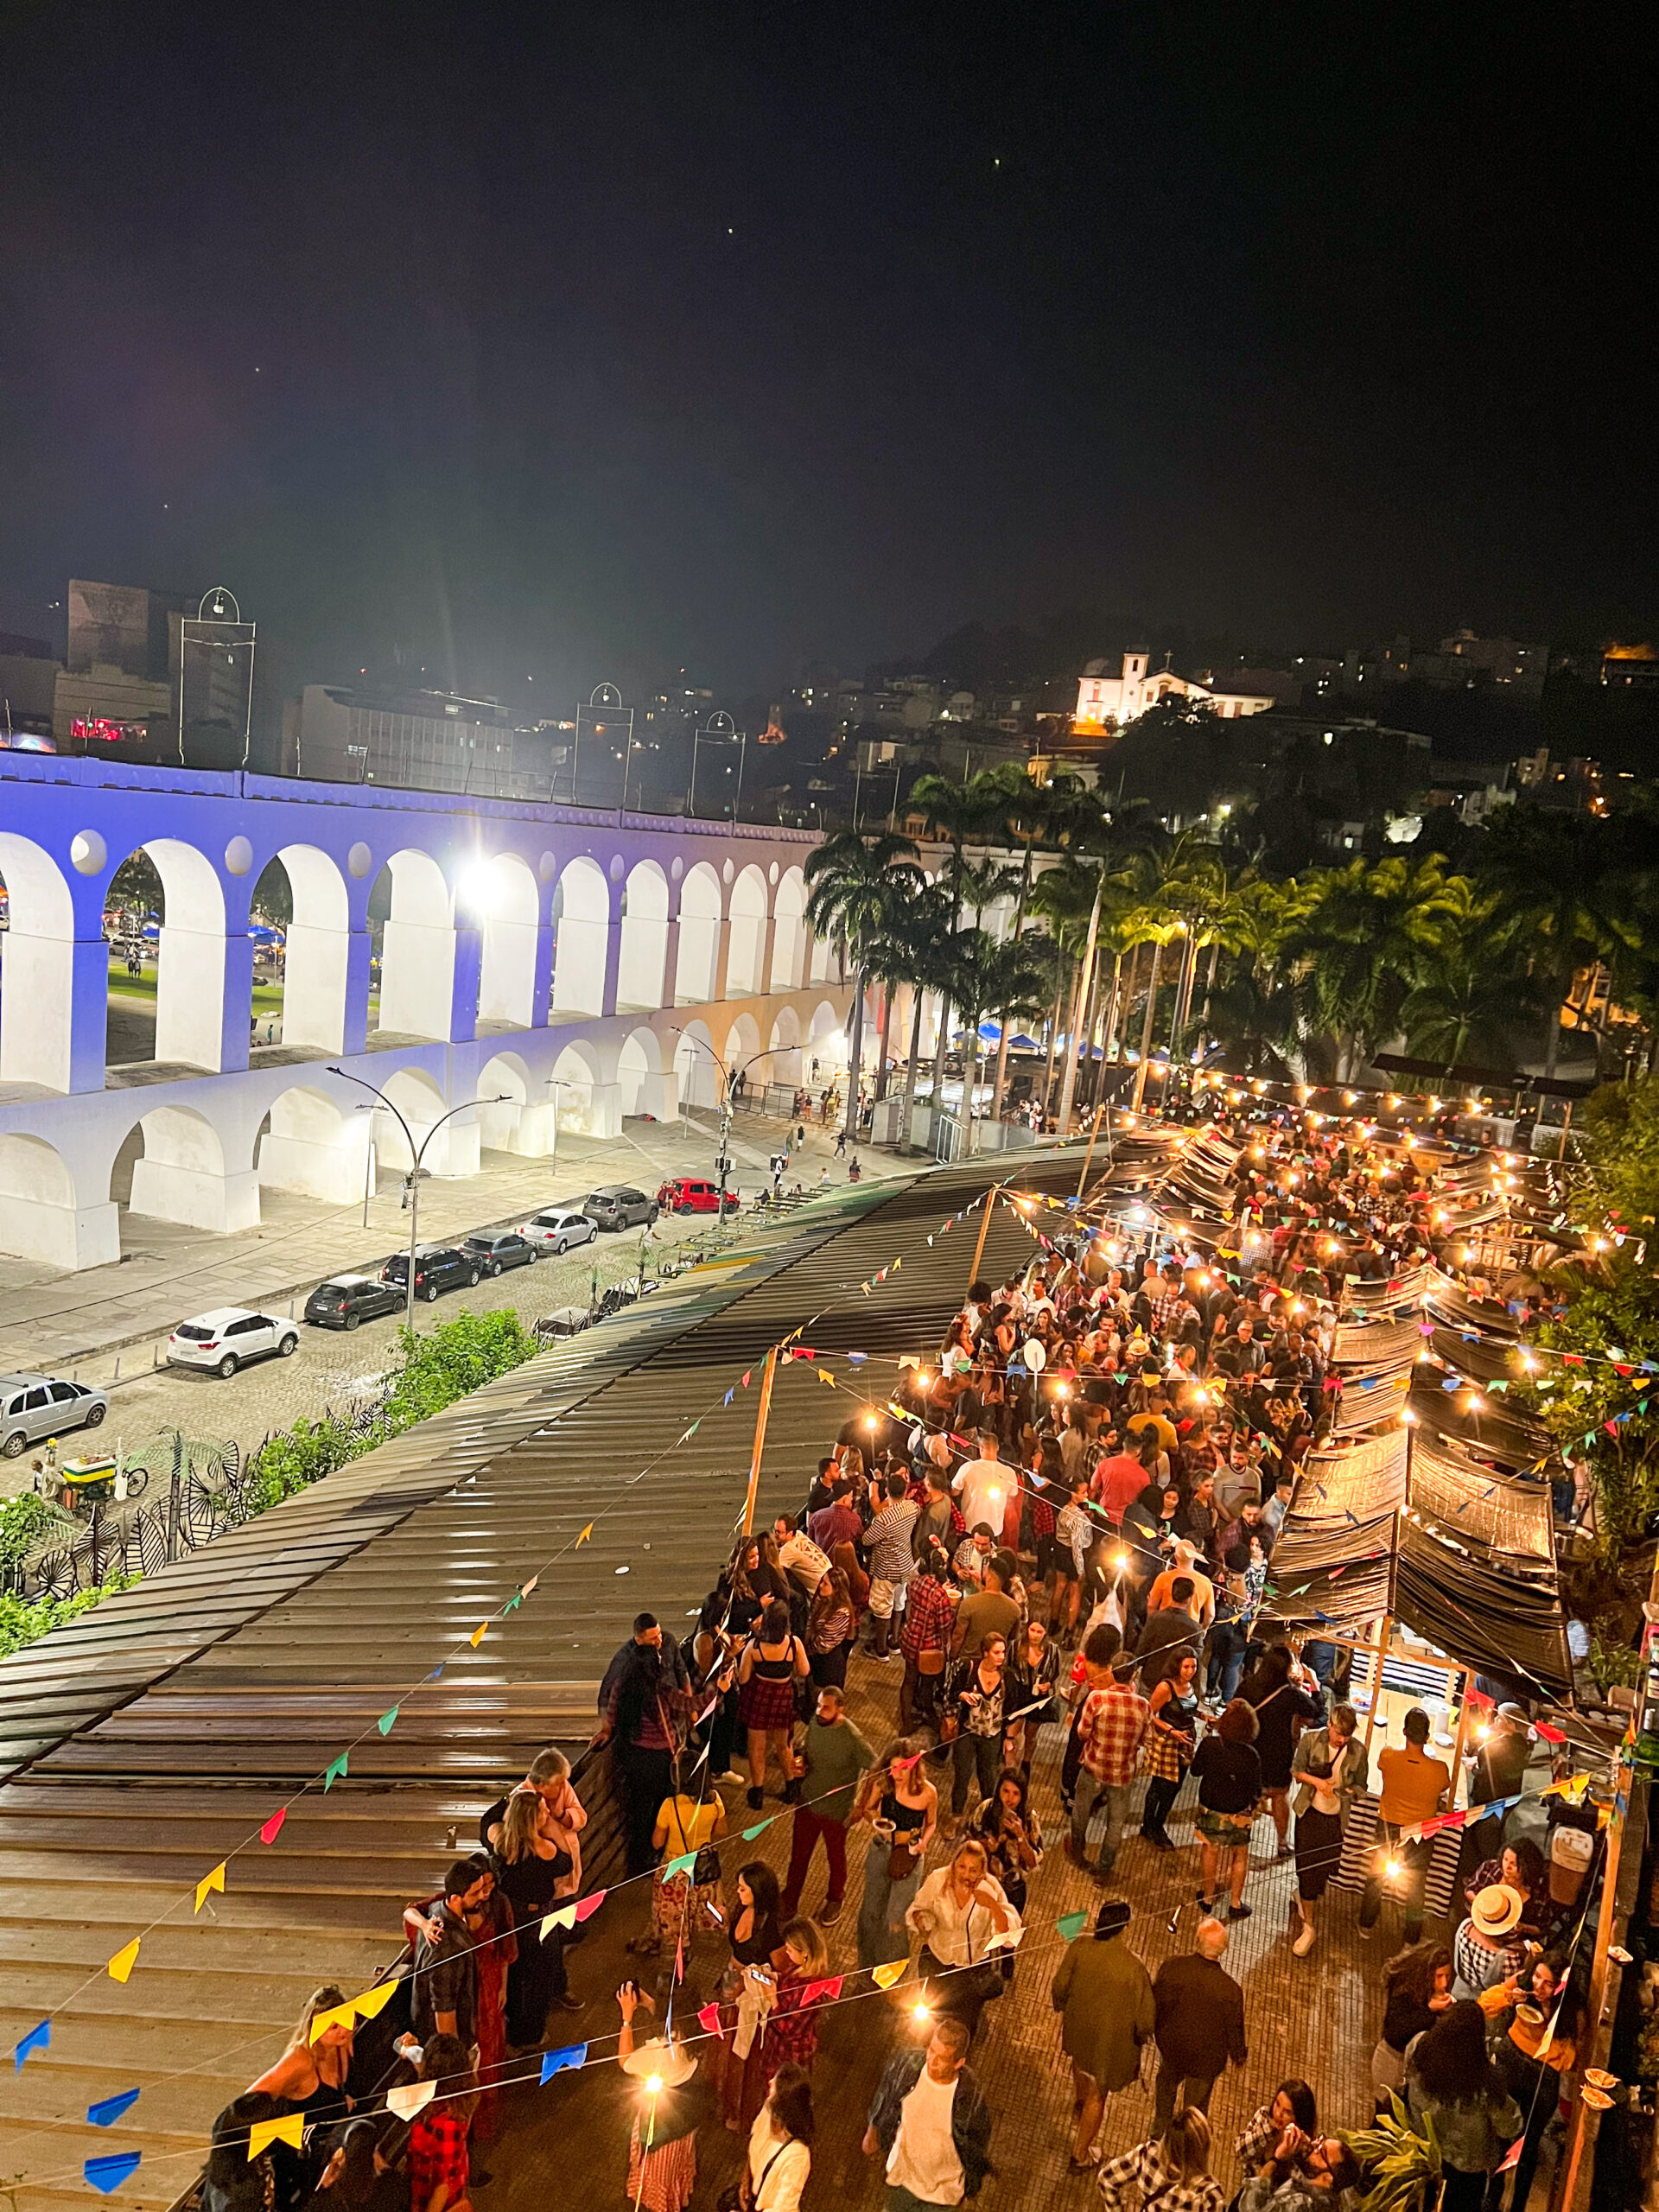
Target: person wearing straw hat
[1488,1948]
[663,2152]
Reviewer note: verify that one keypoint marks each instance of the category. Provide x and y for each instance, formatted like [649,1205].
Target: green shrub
[24,1520]
[23,1620]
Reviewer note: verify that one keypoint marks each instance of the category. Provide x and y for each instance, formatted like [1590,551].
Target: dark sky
[571,343]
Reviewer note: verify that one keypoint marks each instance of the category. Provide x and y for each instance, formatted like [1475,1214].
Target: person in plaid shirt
[1109,1730]
[1293,2106]
[438,2170]
[1171,2174]
[925,1640]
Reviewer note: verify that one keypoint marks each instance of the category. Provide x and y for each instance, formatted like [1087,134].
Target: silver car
[33,1406]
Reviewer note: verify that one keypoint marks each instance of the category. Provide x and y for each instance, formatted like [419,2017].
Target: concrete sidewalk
[80,1324]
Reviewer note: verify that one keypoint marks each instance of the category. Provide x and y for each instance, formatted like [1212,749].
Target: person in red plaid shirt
[438,2170]
[1109,1730]
[930,1615]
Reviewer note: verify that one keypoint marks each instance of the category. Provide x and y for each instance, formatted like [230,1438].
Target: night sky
[574,344]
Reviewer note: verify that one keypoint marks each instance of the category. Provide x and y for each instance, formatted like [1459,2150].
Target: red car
[694,1194]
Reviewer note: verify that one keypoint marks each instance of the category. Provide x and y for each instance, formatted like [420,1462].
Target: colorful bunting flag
[374,2002]
[388,1721]
[562,1916]
[528,1590]
[829,1990]
[121,1965]
[287,2127]
[38,2039]
[479,1633]
[214,1879]
[760,1828]
[1071,1925]
[410,2098]
[890,1970]
[587,1907]
[109,2172]
[709,2021]
[436,1674]
[683,1865]
[110,2109]
[337,2016]
[570,2060]
[335,1771]
[273,1827]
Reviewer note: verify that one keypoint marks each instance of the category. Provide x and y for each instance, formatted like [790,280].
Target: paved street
[88,1324]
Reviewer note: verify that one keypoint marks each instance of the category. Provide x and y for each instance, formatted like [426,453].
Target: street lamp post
[727,1078]
[719,725]
[412,1180]
[556,1083]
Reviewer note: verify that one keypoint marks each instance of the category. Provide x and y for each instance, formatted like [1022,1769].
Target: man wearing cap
[1104,1995]
[1486,1948]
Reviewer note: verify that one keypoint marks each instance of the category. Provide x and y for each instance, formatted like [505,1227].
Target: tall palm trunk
[1209,992]
[941,1050]
[855,1053]
[1054,1043]
[1108,1037]
[970,1070]
[1001,1075]
[1146,1026]
[886,1031]
[1069,1089]
[910,1074]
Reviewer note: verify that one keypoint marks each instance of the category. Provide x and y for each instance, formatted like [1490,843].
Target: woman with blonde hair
[1172,2170]
[310,2076]
[531,1871]
[792,2037]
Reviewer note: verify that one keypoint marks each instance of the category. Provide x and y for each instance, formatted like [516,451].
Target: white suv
[229,1337]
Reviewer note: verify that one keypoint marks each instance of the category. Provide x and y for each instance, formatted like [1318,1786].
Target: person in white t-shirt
[931,2125]
[982,1486]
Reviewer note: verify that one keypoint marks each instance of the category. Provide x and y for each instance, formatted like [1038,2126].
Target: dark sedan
[496,1253]
[346,1300]
[437,1268]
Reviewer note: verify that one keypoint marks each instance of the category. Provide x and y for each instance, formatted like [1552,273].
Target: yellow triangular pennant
[209,1882]
[340,2016]
[885,1976]
[124,1961]
[374,2002]
[478,1634]
[586,1533]
[824,1376]
[290,2128]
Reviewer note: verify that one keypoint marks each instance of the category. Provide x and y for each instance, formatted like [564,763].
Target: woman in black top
[1229,1782]
[1280,1690]
[529,1868]
[757,1949]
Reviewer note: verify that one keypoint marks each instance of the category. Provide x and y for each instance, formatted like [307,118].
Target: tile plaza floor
[1316,2016]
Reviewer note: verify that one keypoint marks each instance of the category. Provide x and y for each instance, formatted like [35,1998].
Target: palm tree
[918,932]
[965,814]
[857,883]
[1546,870]
[987,977]
[1358,947]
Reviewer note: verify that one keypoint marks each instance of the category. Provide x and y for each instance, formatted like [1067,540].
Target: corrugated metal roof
[164,1728]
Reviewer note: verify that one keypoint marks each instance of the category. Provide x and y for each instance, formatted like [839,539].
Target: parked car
[33,1406]
[619,1205]
[345,1300]
[437,1267]
[495,1253]
[557,1229]
[694,1194]
[228,1337]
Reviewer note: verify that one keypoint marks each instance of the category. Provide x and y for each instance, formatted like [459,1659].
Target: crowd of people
[1063,1522]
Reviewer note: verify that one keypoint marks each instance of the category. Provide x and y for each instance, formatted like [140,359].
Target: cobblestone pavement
[1317,2017]
[55,1321]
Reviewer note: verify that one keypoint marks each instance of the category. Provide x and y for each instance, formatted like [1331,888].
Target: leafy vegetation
[1403,2168]
[449,1361]
[23,1620]
[23,1521]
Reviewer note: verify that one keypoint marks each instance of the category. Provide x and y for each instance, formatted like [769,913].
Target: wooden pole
[1103,1109]
[766,1375]
[1457,1753]
[1382,1652]
[984,1231]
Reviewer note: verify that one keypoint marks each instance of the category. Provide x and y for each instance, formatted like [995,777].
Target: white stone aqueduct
[584,967]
